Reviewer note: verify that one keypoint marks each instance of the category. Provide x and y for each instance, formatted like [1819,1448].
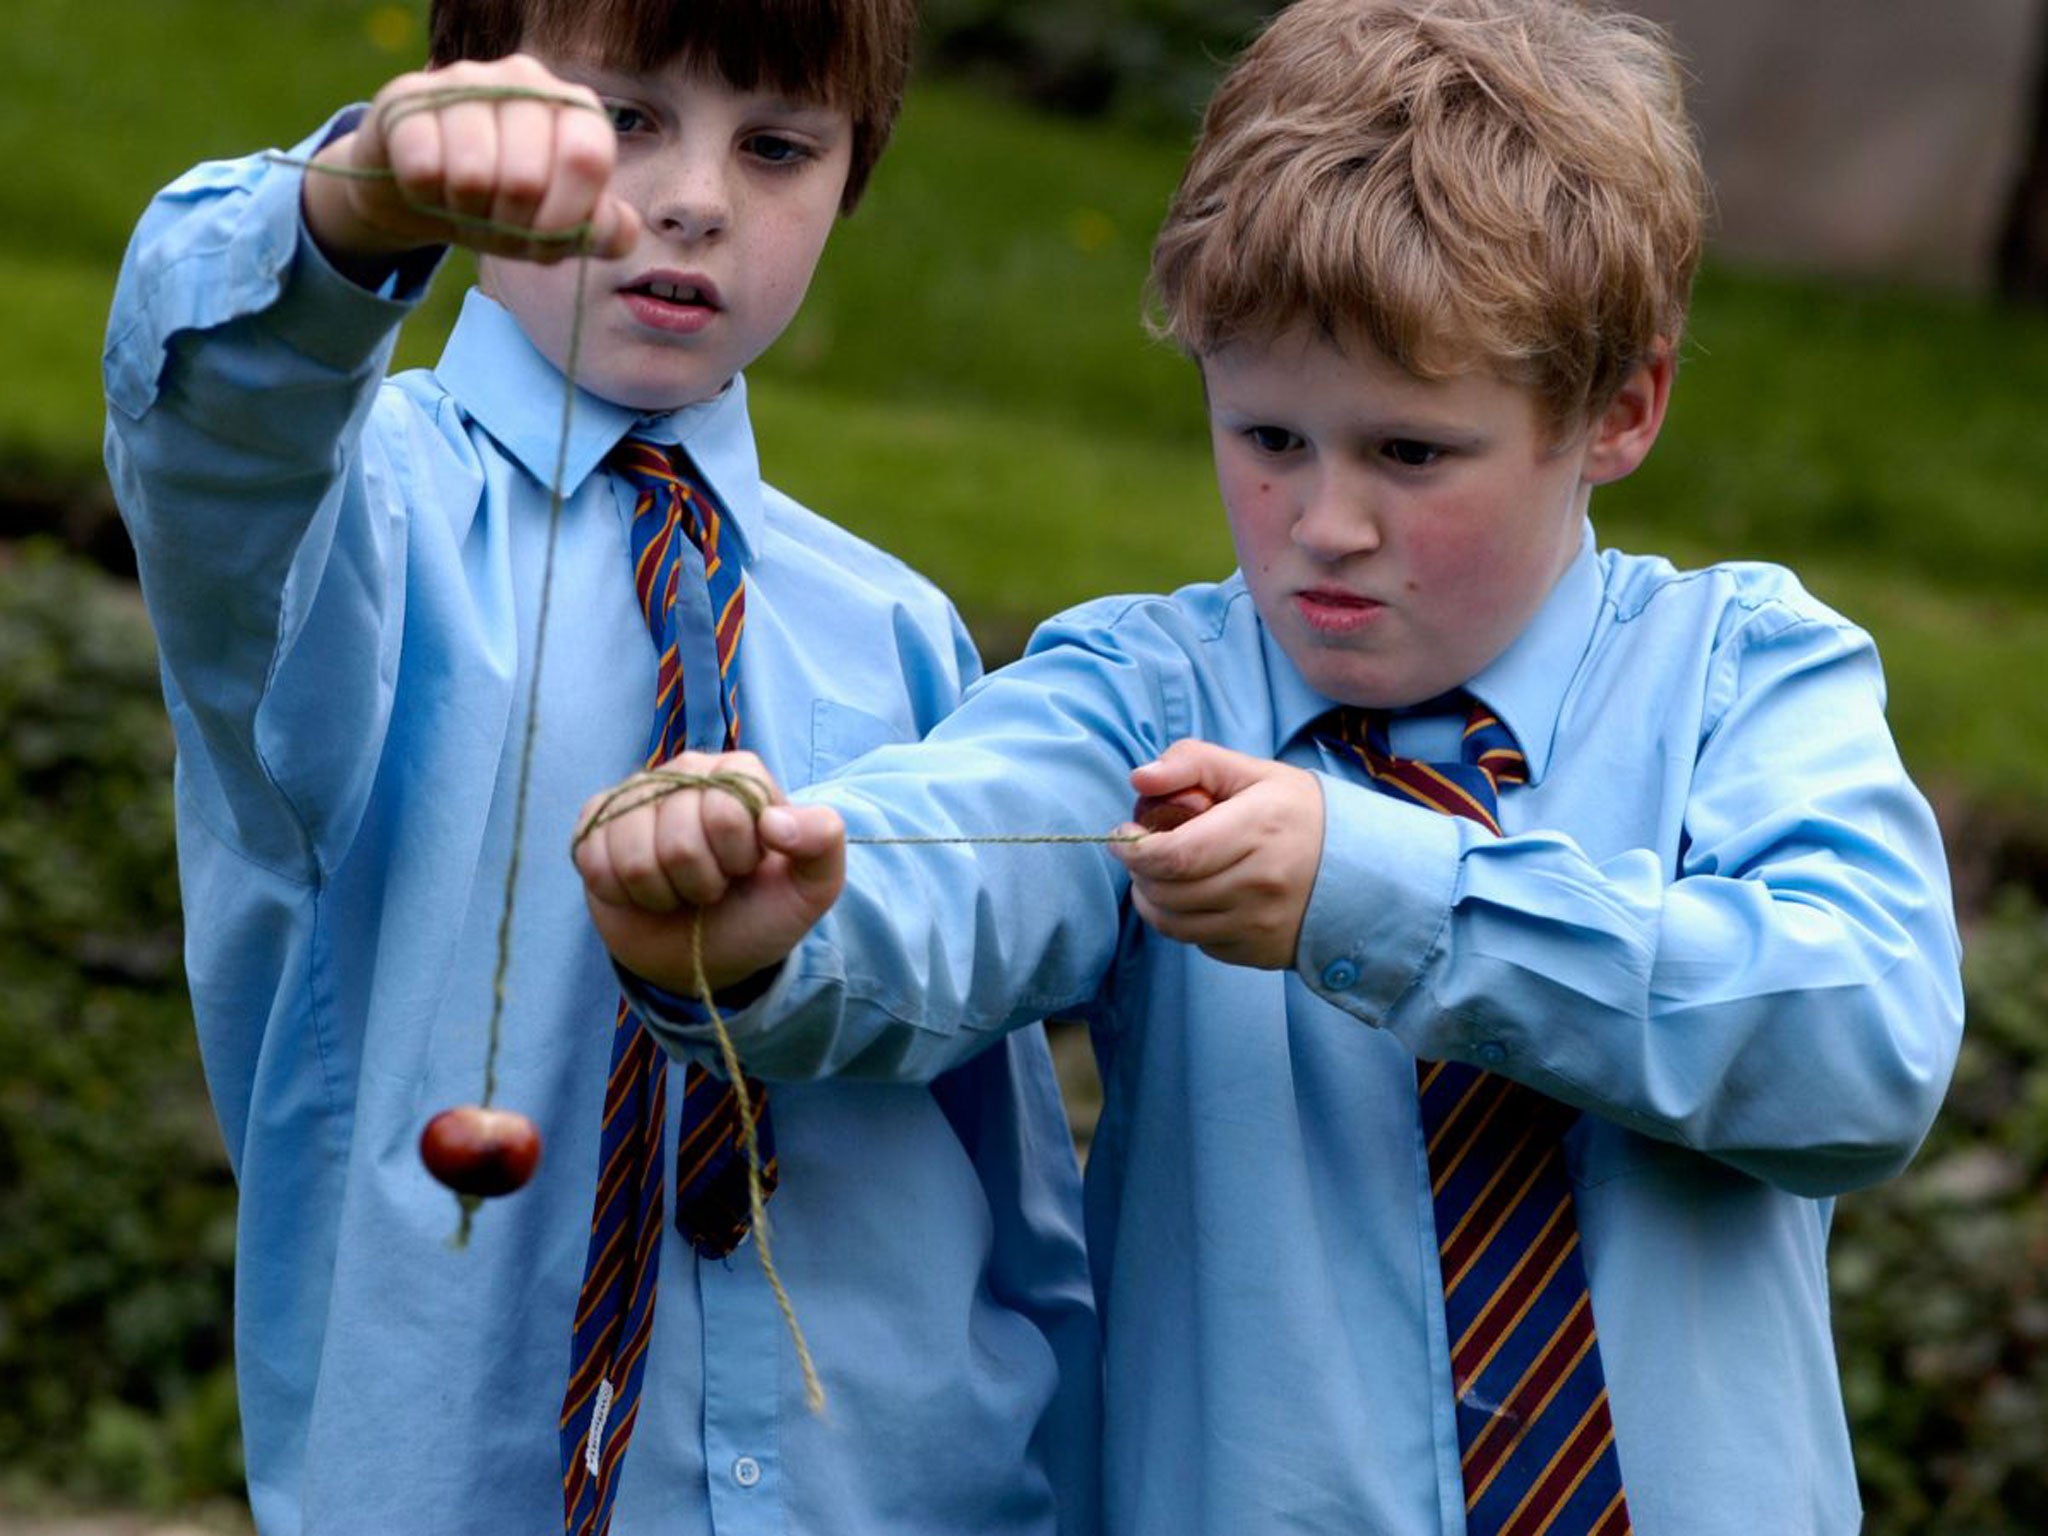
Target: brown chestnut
[480,1152]
[1162,813]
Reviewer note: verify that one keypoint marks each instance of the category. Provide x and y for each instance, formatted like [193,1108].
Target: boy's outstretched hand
[659,864]
[533,161]
[1235,878]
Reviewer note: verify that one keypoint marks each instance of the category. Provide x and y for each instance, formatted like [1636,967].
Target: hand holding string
[1233,880]
[502,157]
[700,873]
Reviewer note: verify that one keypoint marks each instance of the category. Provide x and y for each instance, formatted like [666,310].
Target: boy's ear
[1622,436]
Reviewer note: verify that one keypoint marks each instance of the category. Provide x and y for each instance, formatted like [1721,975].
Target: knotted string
[656,784]
[577,237]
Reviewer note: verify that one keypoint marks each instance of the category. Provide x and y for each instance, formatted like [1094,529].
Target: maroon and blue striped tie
[1535,1436]
[615,1308]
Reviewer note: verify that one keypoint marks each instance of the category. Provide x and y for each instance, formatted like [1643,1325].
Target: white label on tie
[593,1447]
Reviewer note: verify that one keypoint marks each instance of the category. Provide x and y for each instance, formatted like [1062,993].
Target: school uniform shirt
[1718,922]
[345,578]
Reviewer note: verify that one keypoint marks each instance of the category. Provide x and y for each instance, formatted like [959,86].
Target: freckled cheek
[1455,566]
[1246,485]
[1258,520]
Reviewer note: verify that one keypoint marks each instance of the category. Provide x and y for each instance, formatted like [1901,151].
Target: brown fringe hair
[854,54]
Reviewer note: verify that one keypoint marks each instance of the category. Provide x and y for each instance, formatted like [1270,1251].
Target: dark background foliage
[115,1199]
[1941,1277]
[1144,61]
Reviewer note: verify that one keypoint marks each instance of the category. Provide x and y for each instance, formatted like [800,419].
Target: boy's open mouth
[675,292]
[677,303]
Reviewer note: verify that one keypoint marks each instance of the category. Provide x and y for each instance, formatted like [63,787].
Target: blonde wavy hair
[1508,184]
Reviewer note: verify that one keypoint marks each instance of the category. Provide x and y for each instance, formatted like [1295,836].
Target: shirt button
[1340,975]
[746,1472]
[1493,1053]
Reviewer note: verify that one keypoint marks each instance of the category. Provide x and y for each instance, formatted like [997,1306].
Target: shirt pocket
[840,733]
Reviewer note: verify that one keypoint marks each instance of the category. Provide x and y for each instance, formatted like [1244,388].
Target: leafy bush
[1149,61]
[1941,1277]
[114,1192]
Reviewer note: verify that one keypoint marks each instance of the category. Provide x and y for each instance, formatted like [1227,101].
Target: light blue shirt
[1719,921]
[344,580]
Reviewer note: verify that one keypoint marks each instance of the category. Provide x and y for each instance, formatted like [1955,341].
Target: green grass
[1026,516]
[970,383]
[50,400]
[1858,425]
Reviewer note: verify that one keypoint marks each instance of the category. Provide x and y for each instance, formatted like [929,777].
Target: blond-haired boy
[1562,933]
[347,575]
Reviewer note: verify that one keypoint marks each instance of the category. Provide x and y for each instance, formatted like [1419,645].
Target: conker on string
[1162,813]
[481,1152]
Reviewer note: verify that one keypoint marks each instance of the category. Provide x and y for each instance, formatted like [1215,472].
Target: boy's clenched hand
[1235,879]
[690,857]
[509,169]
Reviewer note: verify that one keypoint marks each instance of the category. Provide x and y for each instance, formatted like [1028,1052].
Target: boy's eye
[1411,454]
[624,118]
[776,149]
[1271,439]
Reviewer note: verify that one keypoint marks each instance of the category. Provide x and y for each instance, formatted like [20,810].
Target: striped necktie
[1535,1437]
[615,1308]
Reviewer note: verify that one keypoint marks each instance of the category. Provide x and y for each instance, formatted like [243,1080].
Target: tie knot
[648,465]
[665,485]
[1468,786]
[669,497]
[1490,746]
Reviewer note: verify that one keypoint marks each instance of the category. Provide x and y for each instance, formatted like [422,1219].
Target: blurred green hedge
[1151,62]
[115,1198]
[1941,1276]
[118,1209]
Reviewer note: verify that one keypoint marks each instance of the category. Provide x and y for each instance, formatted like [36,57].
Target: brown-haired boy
[1562,933]
[347,574]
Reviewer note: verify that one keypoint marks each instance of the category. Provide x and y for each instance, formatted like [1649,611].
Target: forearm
[1797,1019]
[240,372]
[930,955]
[239,368]
[933,949]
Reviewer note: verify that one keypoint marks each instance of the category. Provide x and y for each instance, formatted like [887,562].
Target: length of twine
[643,788]
[577,239]
[655,784]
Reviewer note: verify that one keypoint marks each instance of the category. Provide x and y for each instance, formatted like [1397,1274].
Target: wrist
[689,1005]
[329,210]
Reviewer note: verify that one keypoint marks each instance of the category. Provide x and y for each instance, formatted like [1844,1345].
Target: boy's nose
[691,201]
[1337,520]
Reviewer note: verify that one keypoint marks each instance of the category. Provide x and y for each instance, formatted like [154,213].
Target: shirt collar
[508,388]
[1525,685]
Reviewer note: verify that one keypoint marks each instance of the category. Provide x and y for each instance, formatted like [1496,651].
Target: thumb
[813,839]
[1192,771]
[615,228]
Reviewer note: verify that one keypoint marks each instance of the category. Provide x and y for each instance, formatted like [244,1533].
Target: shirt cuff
[1382,899]
[410,272]
[682,1015]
